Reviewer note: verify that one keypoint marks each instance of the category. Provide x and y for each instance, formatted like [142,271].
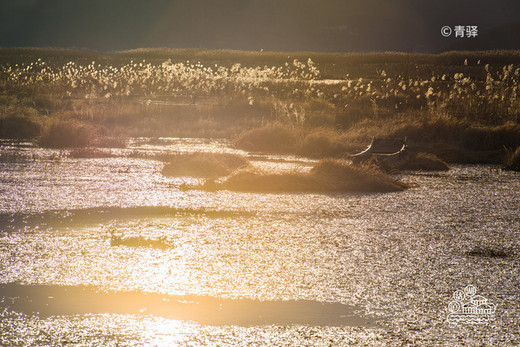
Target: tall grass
[483,91]
[314,104]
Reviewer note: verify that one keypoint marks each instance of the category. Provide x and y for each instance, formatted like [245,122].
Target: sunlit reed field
[462,106]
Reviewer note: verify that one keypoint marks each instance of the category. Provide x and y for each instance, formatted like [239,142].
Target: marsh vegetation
[461,106]
[328,175]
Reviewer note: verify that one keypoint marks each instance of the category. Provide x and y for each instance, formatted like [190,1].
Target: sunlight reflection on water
[399,255]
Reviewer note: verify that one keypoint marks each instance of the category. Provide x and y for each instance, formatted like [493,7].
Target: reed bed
[313,104]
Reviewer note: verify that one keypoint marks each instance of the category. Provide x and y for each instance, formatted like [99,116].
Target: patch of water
[397,257]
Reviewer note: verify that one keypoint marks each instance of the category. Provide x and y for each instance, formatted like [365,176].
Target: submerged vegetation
[460,106]
[90,153]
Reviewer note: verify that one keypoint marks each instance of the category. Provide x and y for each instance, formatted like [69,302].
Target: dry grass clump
[440,129]
[322,143]
[512,160]
[65,133]
[426,162]
[450,138]
[339,175]
[329,175]
[468,135]
[276,138]
[203,164]
[279,138]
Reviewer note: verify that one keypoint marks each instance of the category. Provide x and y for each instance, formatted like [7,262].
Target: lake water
[247,268]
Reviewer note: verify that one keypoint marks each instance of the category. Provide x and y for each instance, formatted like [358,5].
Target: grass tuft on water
[329,175]
[203,164]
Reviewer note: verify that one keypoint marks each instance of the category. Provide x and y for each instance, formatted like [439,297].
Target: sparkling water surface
[247,268]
